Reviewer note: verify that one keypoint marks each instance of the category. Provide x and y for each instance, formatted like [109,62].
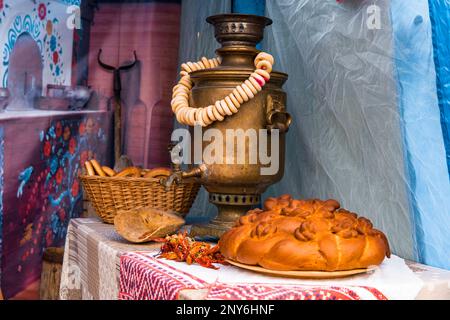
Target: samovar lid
[238,29]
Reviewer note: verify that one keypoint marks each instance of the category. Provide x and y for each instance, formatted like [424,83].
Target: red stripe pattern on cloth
[282,292]
[147,278]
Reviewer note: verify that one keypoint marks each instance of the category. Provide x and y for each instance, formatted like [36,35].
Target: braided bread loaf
[304,235]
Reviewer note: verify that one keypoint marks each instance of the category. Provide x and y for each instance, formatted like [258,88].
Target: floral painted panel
[46,22]
[43,191]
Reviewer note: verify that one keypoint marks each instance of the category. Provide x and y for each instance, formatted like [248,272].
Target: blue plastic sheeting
[440,23]
[256,7]
[428,173]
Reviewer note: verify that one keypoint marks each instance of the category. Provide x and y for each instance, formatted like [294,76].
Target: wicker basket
[110,195]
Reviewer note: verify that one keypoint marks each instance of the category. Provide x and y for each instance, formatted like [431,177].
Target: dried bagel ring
[251,87]
[199,120]
[255,84]
[198,66]
[217,114]
[264,56]
[230,104]
[98,168]
[219,108]
[225,107]
[133,172]
[191,116]
[110,172]
[261,81]
[89,168]
[183,73]
[242,93]
[202,66]
[182,96]
[210,113]
[185,81]
[192,66]
[238,96]
[247,91]
[234,100]
[199,117]
[181,93]
[186,67]
[178,105]
[176,87]
[205,117]
[264,65]
[264,74]
[178,99]
[206,62]
[180,115]
[180,87]
[214,62]
[185,116]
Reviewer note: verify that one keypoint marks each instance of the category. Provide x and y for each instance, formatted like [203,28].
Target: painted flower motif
[54,165]
[51,132]
[82,128]
[47,148]
[1,4]
[55,57]
[75,188]
[49,27]
[66,134]
[53,43]
[59,175]
[58,129]
[57,70]
[42,11]
[72,145]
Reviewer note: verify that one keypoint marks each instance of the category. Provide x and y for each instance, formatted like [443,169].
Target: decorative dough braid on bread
[294,234]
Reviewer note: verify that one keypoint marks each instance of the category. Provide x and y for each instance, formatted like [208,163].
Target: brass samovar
[236,188]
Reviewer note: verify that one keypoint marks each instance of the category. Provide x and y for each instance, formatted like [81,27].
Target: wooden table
[91,265]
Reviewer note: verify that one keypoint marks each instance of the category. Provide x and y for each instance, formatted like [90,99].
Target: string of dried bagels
[93,168]
[224,107]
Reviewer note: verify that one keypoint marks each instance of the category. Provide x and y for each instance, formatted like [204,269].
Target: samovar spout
[178,175]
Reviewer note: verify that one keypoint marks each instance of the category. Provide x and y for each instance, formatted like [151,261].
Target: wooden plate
[303,274]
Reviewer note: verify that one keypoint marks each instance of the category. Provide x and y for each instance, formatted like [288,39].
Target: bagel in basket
[304,235]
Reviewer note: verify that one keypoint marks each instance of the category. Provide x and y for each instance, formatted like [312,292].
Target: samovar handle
[277,117]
